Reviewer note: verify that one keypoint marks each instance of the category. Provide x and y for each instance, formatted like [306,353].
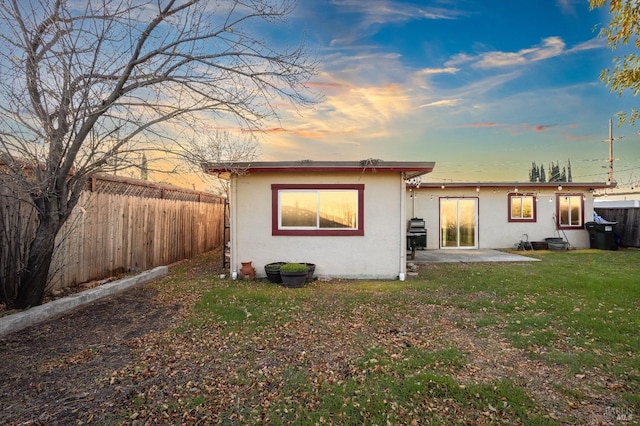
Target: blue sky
[483,88]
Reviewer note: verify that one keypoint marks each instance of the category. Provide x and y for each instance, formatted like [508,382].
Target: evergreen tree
[539,173]
[555,172]
[533,173]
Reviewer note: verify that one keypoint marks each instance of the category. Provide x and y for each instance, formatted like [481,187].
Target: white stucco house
[499,215]
[346,217]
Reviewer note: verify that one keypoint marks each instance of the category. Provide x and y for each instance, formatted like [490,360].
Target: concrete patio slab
[476,255]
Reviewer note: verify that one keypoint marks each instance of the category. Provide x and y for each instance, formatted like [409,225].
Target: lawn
[549,342]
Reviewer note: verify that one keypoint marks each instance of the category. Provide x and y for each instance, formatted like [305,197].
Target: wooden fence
[110,233]
[628,223]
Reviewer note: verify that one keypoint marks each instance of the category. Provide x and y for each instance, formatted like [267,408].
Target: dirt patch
[50,371]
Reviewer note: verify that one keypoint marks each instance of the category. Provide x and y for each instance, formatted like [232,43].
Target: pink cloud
[543,127]
[326,85]
[486,124]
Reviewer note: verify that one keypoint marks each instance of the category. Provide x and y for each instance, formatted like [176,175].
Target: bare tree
[221,147]
[86,86]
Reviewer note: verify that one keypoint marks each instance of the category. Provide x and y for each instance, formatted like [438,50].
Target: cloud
[480,125]
[324,85]
[440,103]
[459,59]
[431,71]
[568,7]
[376,13]
[543,127]
[550,47]
[387,11]
[594,43]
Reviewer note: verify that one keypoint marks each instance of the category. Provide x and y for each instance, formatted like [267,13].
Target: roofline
[514,185]
[411,169]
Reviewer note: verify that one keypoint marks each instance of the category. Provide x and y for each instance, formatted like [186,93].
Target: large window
[570,210]
[522,207]
[306,209]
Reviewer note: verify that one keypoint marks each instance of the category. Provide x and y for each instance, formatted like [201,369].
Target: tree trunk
[33,281]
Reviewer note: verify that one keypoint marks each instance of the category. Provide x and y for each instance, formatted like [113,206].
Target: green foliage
[293,267]
[624,27]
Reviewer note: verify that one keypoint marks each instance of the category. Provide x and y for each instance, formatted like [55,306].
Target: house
[501,215]
[346,217]
[617,198]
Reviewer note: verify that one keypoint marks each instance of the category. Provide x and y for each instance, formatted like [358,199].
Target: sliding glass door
[459,222]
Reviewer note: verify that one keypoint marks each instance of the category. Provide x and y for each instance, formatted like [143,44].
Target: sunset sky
[483,88]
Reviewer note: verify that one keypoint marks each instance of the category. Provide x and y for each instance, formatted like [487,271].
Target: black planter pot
[273,272]
[553,240]
[540,245]
[311,268]
[294,279]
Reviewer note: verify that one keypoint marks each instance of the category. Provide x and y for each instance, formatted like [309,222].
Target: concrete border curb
[24,319]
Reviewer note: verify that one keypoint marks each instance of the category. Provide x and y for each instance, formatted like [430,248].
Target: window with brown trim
[569,211]
[522,207]
[320,210]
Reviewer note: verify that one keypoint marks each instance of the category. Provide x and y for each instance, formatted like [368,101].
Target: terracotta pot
[247,272]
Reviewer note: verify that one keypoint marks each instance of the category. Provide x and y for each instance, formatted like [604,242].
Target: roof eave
[520,185]
[410,169]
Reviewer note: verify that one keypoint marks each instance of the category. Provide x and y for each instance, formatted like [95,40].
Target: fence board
[110,233]
[628,223]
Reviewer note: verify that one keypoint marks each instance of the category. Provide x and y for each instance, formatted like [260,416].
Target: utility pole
[610,141]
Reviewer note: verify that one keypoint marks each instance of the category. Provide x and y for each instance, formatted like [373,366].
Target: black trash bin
[602,235]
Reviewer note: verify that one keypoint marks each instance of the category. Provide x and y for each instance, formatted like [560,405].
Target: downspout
[403,231]
[233,206]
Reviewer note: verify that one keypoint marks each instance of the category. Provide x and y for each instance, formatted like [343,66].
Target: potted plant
[294,274]
[273,272]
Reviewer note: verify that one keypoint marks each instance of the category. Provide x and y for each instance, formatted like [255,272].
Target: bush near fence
[119,225]
[628,223]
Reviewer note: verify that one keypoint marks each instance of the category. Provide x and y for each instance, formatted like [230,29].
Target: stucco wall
[377,254]
[494,229]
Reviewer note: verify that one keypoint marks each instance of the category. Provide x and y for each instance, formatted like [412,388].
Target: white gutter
[403,230]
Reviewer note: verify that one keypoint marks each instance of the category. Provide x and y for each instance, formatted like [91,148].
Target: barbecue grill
[416,234]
